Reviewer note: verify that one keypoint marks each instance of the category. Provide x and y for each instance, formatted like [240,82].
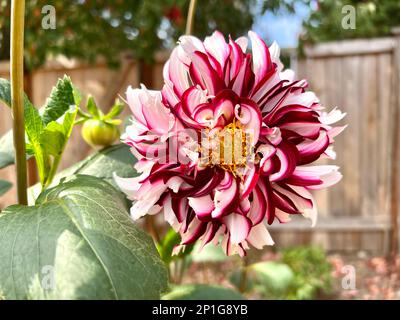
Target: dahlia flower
[227,146]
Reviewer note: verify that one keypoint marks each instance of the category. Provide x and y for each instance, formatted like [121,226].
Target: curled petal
[195,231]
[202,206]
[190,45]
[318,177]
[261,57]
[306,204]
[250,117]
[238,227]
[217,47]
[334,132]
[260,237]
[275,52]
[146,199]
[258,206]
[203,74]
[288,75]
[334,116]
[311,150]
[149,111]
[242,42]
[226,197]
[287,157]
[209,234]
[169,214]
[178,73]
[236,59]
[250,181]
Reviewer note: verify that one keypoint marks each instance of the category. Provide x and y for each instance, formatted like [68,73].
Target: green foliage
[94,112]
[4,186]
[48,133]
[62,97]
[202,292]
[374,18]
[6,142]
[100,129]
[302,273]
[80,231]
[269,279]
[312,272]
[116,159]
[92,108]
[103,164]
[6,150]
[167,244]
[115,111]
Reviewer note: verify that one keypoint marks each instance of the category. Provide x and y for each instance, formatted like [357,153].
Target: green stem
[17,96]
[190,17]
[243,279]
[52,172]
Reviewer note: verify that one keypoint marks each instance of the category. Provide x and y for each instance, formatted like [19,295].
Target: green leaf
[167,244]
[4,186]
[5,91]
[102,164]
[270,278]
[116,159]
[115,122]
[52,140]
[115,111]
[77,96]
[33,122]
[202,292]
[56,135]
[92,108]
[62,97]
[33,126]
[78,242]
[7,156]
[46,136]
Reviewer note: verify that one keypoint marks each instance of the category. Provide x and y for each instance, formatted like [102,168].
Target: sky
[284,28]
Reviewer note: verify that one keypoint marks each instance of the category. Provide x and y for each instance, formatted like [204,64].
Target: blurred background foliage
[374,18]
[88,29]
[300,273]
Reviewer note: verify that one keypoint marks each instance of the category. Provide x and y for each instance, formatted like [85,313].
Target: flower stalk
[190,17]
[17,96]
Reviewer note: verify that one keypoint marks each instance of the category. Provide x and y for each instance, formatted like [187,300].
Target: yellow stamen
[228,148]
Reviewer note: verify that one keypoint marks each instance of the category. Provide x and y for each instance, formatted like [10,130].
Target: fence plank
[351,48]
[384,81]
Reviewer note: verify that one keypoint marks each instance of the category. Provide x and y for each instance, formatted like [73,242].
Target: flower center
[229,148]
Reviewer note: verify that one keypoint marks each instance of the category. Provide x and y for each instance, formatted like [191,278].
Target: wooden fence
[361,77]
